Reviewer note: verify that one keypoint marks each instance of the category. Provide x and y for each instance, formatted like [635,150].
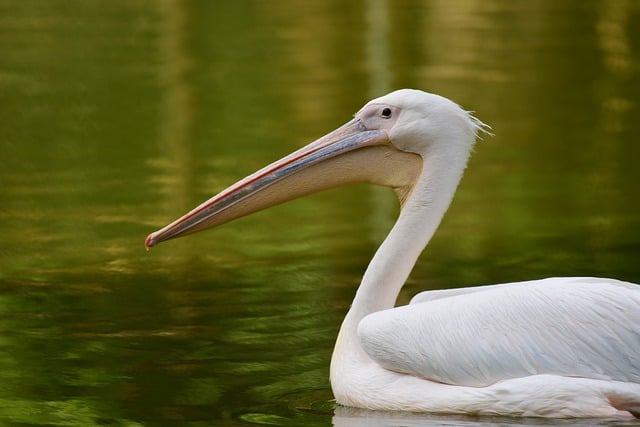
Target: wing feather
[582,327]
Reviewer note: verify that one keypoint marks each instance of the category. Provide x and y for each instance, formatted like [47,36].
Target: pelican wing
[579,327]
[447,293]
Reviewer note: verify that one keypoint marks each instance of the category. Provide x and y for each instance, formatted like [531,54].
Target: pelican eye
[386,112]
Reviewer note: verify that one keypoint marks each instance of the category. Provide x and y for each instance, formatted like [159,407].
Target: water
[117,117]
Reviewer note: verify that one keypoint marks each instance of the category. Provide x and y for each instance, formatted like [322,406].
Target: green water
[116,117]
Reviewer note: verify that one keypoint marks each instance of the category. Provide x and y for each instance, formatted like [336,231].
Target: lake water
[117,117]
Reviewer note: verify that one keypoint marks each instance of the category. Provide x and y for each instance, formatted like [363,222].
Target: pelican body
[559,347]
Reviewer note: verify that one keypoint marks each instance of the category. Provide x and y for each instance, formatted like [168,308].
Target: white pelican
[560,347]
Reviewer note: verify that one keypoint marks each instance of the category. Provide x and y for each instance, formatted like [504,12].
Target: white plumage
[560,347]
[555,326]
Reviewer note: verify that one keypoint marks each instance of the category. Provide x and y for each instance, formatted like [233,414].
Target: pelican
[558,347]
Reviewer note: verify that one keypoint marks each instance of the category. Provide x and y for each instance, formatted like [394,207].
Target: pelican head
[386,143]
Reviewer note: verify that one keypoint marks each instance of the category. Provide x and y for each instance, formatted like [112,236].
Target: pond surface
[117,117]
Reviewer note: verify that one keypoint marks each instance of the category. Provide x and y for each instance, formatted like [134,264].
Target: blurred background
[116,117]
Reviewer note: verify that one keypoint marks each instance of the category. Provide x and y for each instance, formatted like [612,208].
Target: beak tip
[149,242]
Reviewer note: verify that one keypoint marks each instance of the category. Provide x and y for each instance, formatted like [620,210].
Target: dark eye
[386,112]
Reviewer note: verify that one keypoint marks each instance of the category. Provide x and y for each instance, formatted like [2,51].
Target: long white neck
[418,220]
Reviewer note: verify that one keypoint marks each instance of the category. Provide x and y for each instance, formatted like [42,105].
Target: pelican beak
[349,154]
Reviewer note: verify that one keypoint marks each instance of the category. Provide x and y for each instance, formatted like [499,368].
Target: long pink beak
[349,154]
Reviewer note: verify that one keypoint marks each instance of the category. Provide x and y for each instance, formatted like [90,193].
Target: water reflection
[348,417]
[119,116]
